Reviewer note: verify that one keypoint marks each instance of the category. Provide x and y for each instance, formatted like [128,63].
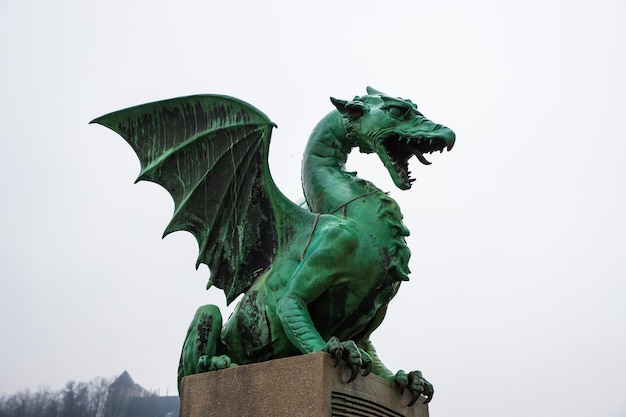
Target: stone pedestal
[300,386]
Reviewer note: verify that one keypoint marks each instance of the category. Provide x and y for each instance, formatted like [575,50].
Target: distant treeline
[76,399]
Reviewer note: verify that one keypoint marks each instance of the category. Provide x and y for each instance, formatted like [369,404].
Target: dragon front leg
[298,325]
[320,268]
[302,333]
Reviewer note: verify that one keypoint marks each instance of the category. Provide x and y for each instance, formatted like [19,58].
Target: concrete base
[303,386]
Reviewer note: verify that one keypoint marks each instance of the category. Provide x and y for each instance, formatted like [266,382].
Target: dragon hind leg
[200,349]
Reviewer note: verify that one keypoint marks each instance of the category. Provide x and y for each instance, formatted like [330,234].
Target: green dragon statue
[316,276]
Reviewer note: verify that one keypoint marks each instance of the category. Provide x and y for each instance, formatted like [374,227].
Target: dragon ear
[353,109]
[373,92]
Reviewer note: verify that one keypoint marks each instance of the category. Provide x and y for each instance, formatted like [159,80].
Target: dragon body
[315,278]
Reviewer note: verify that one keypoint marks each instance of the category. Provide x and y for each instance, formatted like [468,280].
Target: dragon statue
[314,277]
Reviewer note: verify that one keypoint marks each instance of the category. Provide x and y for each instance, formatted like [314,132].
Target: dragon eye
[397,111]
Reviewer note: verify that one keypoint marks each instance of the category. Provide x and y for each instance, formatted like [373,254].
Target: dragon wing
[210,153]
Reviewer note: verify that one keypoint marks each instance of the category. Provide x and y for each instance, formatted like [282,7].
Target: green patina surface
[315,278]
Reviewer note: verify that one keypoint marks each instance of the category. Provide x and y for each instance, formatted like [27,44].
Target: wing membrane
[210,153]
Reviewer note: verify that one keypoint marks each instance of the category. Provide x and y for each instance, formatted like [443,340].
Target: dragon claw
[337,358]
[402,380]
[333,346]
[203,365]
[367,363]
[354,371]
[349,352]
[414,397]
[416,385]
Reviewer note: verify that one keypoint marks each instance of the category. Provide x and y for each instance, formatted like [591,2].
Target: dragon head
[394,129]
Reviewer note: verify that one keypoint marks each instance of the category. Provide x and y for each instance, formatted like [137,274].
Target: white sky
[517,302]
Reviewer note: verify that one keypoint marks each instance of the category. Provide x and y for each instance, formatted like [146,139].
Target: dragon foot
[214,363]
[356,358]
[416,384]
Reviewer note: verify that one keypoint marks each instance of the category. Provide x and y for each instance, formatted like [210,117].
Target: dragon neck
[330,189]
[326,183]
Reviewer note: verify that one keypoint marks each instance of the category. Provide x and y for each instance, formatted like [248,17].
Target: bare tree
[76,399]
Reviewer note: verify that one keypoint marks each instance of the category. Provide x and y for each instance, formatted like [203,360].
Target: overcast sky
[517,300]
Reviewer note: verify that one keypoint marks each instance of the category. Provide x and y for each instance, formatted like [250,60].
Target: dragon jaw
[395,130]
[395,151]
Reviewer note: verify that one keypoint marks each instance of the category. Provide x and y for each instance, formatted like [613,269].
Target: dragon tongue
[415,151]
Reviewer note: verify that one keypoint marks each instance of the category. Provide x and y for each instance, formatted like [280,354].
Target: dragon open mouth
[400,149]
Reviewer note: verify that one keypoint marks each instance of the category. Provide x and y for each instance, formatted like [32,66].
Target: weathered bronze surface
[314,278]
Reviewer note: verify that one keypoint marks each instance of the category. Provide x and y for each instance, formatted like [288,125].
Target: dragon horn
[372,91]
[353,109]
